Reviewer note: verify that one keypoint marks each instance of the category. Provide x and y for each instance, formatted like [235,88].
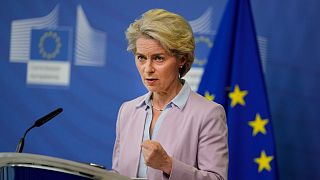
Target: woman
[170,132]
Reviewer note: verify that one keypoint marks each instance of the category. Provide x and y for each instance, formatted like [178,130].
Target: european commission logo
[48,49]
[50,44]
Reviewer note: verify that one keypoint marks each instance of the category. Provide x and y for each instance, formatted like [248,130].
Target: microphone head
[47,117]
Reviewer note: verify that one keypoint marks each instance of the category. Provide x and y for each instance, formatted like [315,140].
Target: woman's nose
[149,66]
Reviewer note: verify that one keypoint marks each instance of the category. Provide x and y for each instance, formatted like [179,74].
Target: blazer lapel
[165,133]
[134,146]
[165,136]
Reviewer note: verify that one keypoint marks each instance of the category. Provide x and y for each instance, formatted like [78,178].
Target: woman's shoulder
[134,103]
[199,99]
[202,108]
[198,102]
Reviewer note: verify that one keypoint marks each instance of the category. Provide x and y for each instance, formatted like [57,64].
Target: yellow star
[237,96]
[258,125]
[209,96]
[263,161]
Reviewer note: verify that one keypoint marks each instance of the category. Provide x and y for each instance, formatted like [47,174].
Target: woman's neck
[161,99]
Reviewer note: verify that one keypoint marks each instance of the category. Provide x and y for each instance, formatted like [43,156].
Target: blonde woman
[171,132]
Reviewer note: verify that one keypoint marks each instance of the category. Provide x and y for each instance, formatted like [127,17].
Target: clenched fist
[156,157]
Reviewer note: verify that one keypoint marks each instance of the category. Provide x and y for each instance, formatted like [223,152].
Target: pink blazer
[195,137]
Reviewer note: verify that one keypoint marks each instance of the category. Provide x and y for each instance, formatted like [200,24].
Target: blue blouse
[179,101]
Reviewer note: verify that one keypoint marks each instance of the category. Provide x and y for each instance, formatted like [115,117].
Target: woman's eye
[159,58]
[140,58]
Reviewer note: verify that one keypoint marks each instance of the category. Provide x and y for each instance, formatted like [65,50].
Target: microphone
[38,123]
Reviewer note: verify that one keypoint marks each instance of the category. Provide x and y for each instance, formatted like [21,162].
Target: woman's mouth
[150,81]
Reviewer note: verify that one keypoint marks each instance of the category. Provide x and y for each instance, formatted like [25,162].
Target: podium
[23,166]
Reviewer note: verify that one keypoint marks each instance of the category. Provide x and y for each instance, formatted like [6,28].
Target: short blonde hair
[170,29]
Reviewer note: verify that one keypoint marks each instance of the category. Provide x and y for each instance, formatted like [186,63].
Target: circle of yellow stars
[237,97]
[208,43]
[47,35]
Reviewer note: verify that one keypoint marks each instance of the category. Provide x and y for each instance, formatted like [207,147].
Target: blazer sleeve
[212,151]
[116,148]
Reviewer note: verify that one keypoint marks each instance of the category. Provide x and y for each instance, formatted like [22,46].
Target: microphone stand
[38,123]
[20,146]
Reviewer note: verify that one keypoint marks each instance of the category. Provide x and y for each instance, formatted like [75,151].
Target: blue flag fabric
[233,77]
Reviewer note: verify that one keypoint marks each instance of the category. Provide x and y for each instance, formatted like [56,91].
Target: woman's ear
[182,67]
[182,62]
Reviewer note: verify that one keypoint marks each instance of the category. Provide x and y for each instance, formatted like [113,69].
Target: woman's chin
[152,89]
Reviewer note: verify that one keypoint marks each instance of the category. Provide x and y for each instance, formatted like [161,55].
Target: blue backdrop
[72,54]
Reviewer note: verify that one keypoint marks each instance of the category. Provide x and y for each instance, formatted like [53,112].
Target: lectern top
[57,164]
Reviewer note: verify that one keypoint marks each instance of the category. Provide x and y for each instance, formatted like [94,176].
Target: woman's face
[159,70]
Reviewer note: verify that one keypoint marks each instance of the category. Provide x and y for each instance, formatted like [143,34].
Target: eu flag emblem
[233,77]
[48,44]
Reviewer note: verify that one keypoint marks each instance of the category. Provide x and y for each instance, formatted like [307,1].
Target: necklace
[157,109]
